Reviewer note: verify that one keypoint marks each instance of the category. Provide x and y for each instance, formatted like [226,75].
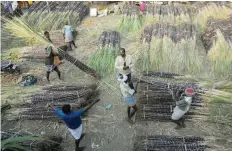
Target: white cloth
[76,133]
[14,5]
[178,113]
[119,64]
[126,90]
[68,32]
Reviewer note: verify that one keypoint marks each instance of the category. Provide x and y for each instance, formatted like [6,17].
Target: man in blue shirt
[73,121]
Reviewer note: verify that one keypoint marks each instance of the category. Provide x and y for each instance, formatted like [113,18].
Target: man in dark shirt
[73,121]
[49,59]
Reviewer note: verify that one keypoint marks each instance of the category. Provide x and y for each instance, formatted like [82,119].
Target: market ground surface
[106,129]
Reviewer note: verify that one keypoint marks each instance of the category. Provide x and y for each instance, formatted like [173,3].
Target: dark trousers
[129,81]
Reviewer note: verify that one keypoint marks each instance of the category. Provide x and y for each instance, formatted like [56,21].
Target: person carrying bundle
[68,35]
[128,96]
[123,64]
[50,59]
[183,101]
[73,121]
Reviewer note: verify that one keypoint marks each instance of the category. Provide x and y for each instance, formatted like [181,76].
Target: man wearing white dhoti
[183,103]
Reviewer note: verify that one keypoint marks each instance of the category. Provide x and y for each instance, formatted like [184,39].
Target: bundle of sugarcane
[109,39]
[132,19]
[168,143]
[160,74]
[62,87]
[175,33]
[104,58]
[212,10]
[54,19]
[33,53]
[210,34]
[24,141]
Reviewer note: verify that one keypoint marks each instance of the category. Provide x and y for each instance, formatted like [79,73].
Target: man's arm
[130,62]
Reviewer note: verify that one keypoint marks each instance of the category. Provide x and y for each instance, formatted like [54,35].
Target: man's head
[66,22]
[116,3]
[122,52]
[66,109]
[46,34]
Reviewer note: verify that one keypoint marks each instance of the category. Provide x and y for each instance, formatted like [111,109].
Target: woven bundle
[109,39]
[175,33]
[42,19]
[155,99]
[46,143]
[210,34]
[169,143]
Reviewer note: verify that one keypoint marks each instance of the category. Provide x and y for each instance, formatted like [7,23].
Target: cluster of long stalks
[220,56]
[213,10]
[42,19]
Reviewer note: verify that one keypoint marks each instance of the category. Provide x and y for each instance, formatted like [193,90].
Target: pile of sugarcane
[160,74]
[155,99]
[51,17]
[77,96]
[210,34]
[132,19]
[168,13]
[109,39]
[175,33]
[169,143]
[25,141]
[104,58]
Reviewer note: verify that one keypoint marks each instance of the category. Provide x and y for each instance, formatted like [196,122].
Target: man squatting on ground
[49,58]
[128,96]
[73,121]
[183,101]
[123,64]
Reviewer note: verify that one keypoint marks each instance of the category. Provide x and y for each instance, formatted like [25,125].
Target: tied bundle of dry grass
[168,14]
[132,19]
[77,96]
[168,143]
[24,141]
[49,18]
[104,58]
[210,35]
[170,48]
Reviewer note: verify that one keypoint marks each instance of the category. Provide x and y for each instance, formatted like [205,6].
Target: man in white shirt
[123,64]
[128,96]
[117,9]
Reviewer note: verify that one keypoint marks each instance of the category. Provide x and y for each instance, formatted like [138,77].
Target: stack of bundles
[104,58]
[35,53]
[175,33]
[210,35]
[169,143]
[132,20]
[109,39]
[170,48]
[25,141]
[40,18]
[77,96]
[155,99]
[168,13]
[201,5]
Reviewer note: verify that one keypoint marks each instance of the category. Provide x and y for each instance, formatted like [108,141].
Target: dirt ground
[106,129]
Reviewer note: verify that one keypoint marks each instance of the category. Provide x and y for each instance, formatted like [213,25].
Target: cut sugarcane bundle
[169,143]
[25,141]
[63,87]
[210,34]
[109,39]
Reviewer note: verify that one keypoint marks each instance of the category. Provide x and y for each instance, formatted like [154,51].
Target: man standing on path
[68,35]
[128,96]
[123,65]
[49,59]
[73,121]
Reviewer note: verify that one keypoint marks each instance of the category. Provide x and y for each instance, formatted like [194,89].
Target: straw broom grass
[213,10]
[220,56]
